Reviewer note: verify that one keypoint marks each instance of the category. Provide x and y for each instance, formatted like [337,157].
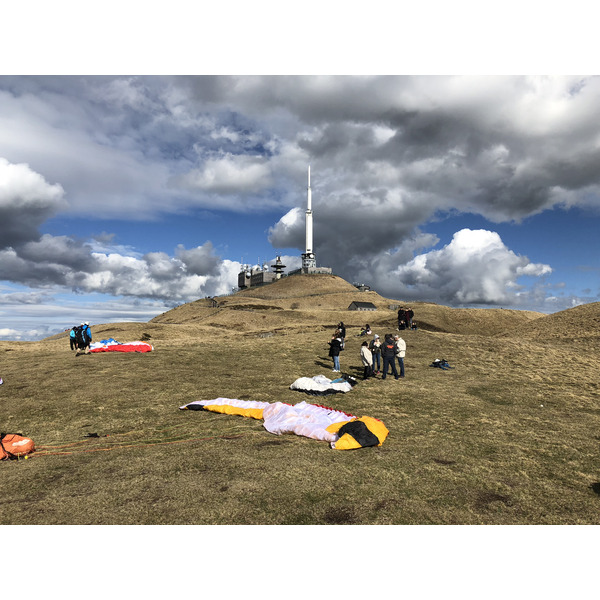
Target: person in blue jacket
[72,338]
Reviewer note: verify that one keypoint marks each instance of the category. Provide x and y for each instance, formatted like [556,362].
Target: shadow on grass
[321,363]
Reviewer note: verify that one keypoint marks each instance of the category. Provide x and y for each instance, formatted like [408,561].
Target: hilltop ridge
[321,301]
[302,303]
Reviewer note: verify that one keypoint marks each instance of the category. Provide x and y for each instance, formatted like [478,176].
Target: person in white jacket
[400,352]
[367,360]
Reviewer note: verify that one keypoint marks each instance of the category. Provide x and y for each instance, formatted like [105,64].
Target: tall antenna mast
[308,258]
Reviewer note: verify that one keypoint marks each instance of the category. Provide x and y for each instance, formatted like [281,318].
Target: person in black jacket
[335,345]
[388,353]
[401,318]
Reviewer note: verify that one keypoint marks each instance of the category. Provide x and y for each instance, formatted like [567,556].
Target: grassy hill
[509,436]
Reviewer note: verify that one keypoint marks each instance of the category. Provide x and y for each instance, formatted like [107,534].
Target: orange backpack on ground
[14,445]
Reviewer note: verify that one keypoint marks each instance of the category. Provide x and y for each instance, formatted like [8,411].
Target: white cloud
[228,174]
[474,268]
[10,334]
[26,201]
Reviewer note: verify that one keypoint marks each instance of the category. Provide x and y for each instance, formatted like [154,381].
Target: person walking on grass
[375,348]
[401,352]
[335,345]
[388,353]
[367,360]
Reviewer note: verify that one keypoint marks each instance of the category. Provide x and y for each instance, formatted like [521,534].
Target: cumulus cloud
[26,201]
[11,334]
[44,261]
[474,268]
[193,273]
[229,174]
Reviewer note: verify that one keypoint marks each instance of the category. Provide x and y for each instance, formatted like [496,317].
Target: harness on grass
[14,446]
[441,364]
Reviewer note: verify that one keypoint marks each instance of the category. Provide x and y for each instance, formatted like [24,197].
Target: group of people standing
[80,338]
[376,352]
[405,318]
[372,353]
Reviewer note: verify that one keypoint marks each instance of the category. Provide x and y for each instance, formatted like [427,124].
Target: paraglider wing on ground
[308,420]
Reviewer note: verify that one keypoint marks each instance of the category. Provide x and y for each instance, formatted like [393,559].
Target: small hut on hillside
[362,306]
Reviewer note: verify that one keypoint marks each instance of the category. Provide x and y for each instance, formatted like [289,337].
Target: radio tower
[308,258]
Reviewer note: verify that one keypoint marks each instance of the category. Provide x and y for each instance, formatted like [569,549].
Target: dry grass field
[509,436]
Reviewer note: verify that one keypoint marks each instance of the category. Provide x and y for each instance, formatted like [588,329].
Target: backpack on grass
[14,445]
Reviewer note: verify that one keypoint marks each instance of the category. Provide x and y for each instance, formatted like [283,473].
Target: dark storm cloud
[61,250]
[200,260]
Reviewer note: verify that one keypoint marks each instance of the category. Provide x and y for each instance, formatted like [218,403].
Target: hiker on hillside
[367,360]
[401,352]
[388,353]
[401,318]
[342,329]
[410,313]
[375,348]
[335,345]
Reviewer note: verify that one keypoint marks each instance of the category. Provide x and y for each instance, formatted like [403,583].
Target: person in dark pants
[401,352]
[73,337]
[375,348]
[388,353]
[335,345]
[367,360]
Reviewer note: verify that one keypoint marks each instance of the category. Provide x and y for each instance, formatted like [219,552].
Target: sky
[124,195]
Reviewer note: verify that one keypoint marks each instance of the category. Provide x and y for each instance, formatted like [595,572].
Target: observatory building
[257,275]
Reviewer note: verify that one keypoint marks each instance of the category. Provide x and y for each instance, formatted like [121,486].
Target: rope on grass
[49,450]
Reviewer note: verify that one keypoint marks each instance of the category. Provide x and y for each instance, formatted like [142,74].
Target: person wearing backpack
[401,349]
[79,340]
[388,353]
[87,337]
